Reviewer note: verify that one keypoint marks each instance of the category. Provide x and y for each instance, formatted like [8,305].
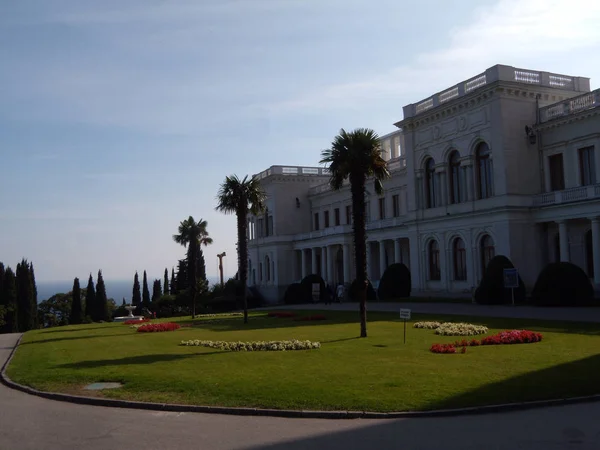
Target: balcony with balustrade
[292,170]
[571,106]
[494,74]
[572,195]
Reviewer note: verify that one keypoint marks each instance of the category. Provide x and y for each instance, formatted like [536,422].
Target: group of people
[337,295]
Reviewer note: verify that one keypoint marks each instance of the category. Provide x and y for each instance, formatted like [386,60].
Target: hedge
[491,290]
[562,284]
[395,283]
[353,292]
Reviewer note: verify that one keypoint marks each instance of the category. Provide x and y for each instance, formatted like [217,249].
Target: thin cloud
[511,32]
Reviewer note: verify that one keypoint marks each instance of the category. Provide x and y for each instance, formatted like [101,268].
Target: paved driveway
[29,422]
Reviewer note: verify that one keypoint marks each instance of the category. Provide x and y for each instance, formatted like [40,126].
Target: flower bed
[157,327]
[254,346]
[135,321]
[427,325]
[512,337]
[282,314]
[233,314]
[313,317]
[460,329]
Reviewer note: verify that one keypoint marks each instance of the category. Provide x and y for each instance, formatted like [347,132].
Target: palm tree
[357,156]
[237,197]
[193,235]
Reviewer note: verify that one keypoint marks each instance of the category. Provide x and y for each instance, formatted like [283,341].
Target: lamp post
[220,256]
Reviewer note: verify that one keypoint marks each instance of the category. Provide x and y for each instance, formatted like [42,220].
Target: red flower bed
[443,348]
[135,321]
[313,317]
[281,314]
[156,327]
[512,337]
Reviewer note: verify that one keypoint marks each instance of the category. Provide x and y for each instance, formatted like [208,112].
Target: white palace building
[506,162]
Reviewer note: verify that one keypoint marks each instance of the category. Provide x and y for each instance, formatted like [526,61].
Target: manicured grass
[379,373]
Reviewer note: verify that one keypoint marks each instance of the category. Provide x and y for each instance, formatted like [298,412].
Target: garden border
[287,413]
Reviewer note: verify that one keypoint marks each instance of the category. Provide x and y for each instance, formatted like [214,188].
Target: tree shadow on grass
[59,330]
[567,380]
[135,360]
[73,338]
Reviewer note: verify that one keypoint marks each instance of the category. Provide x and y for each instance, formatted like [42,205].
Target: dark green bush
[491,290]
[307,283]
[295,295]
[395,283]
[562,284]
[353,292]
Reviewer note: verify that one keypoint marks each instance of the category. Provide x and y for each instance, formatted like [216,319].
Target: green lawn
[379,373]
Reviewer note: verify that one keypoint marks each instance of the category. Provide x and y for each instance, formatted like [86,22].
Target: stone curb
[286,413]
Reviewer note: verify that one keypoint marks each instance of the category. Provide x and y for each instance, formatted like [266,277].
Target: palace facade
[506,162]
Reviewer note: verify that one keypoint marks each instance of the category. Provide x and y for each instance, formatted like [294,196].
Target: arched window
[488,251]
[589,254]
[267,269]
[430,183]
[460,259]
[456,188]
[434,261]
[485,176]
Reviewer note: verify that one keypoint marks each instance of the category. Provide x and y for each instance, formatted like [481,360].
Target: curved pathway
[30,422]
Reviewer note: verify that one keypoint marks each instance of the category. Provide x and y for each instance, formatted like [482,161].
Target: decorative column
[368,260]
[563,234]
[397,251]
[294,267]
[303,263]
[346,250]
[275,270]
[330,264]
[414,256]
[381,258]
[323,273]
[596,250]
[313,262]
[442,186]
[469,184]
[420,204]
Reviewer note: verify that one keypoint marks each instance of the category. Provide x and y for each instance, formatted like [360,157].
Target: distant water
[116,289]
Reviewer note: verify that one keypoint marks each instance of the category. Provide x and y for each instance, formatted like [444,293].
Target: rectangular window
[326,219]
[587,165]
[382,208]
[557,172]
[316,221]
[396,205]
[336,216]
[348,214]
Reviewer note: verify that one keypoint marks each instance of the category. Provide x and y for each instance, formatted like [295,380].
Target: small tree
[76,312]
[173,284]
[9,297]
[136,298]
[90,298]
[34,305]
[26,308]
[145,292]
[166,282]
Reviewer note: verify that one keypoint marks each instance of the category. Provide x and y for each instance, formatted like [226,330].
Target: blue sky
[119,119]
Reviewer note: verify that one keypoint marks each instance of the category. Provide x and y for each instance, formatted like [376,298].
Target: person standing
[340,293]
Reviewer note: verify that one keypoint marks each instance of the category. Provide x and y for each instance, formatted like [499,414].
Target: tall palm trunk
[243,253]
[192,273]
[357,188]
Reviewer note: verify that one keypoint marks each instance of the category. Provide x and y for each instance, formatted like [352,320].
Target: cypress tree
[123,304]
[9,296]
[182,278]
[136,299]
[156,291]
[166,282]
[76,312]
[201,265]
[145,293]
[2,272]
[173,285]
[35,296]
[90,298]
[25,308]
[101,300]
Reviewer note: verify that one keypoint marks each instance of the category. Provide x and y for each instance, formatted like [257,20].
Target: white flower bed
[137,325]
[460,329]
[234,314]
[254,346]
[427,325]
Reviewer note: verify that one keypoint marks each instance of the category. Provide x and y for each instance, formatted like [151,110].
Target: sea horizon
[115,289]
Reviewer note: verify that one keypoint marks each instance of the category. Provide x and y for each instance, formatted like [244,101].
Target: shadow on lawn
[134,360]
[59,330]
[567,380]
[74,338]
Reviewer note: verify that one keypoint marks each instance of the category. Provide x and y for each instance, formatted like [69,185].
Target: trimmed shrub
[562,284]
[353,292]
[395,283]
[491,290]
[294,295]
[306,285]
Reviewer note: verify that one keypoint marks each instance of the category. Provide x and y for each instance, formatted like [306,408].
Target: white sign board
[405,314]
[511,278]
[316,292]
